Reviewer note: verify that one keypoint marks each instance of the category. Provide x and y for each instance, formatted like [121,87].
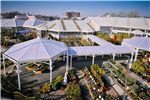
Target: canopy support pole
[102,56]
[19,85]
[132,55]
[64,57]
[4,66]
[93,60]
[67,62]
[113,56]
[86,57]
[50,65]
[136,53]
[71,62]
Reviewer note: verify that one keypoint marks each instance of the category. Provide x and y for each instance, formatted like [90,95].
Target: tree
[122,14]
[13,13]
[50,17]
[133,14]
[113,14]
[105,14]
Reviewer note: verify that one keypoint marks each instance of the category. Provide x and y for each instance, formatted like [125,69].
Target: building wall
[71,14]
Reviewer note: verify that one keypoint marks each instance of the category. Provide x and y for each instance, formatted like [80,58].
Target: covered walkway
[98,50]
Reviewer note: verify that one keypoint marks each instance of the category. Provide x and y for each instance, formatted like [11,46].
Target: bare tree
[122,14]
[105,14]
[133,14]
[113,14]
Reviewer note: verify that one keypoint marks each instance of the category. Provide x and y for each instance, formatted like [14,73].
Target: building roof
[68,26]
[33,22]
[12,22]
[141,23]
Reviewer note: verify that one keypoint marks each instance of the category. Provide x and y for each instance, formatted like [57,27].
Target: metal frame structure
[18,63]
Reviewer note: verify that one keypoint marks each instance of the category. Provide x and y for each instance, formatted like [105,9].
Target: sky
[86,8]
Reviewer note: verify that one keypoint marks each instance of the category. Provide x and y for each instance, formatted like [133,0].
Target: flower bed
[36,68]
[93,76]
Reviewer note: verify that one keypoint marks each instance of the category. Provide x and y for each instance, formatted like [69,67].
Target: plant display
[138,66]
[112,61]
[56,84]
[30,65]
[6,43]
[119,67]
[73,91]
[38,68]
[45,88]
[103,36]
[85,43]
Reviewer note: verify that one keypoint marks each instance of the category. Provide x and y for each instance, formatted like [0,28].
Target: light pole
[127,70]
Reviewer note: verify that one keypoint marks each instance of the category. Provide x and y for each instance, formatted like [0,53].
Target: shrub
[7,63]
[45,88]
[6,43]
[1,65]
[96,67]
[56,84]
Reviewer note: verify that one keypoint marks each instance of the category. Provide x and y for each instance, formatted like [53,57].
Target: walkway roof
[105,48]
[99,50]
[99,40]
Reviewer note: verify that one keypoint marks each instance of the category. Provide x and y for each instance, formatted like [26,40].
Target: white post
[93,60]
[71,62]
[50,65]
[15,29]
[136,53]
[4,66]
[132,56]
[19,85]
[120,55]
[113,56]
[64,57]
[102,56]
[86,57]
[67,62]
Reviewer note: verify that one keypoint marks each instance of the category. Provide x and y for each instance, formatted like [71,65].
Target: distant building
[71,14]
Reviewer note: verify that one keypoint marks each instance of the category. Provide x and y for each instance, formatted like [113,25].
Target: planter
[39,72]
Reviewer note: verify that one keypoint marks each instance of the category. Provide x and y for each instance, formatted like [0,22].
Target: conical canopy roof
[35,50]
[138,42]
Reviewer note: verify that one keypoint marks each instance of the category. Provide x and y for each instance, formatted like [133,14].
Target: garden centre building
[62,29]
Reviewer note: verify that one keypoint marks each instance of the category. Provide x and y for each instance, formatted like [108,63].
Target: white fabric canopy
[99,50]
[35,50]
[138,42]
[99,40]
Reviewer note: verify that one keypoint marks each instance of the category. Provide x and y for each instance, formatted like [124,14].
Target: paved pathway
[136,76]
[84,89]
[115,86]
